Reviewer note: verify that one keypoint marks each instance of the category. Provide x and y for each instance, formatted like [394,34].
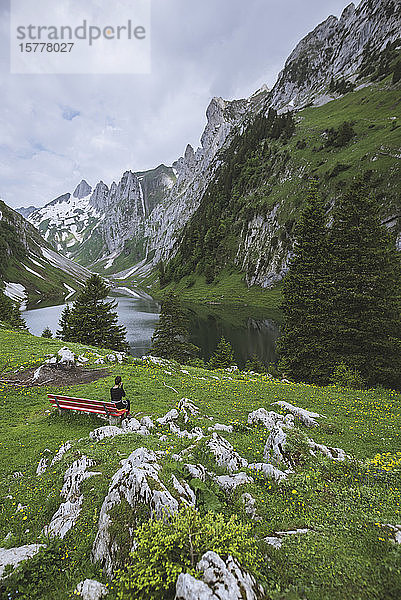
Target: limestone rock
[275,445]
[187,408]
[66,357]
[229,482]
[269,471]
[147,422]
[221,580]
[333,453]
[172,415]
[67,514]
[249,503]
[137,481]
[196,471]
[91,590]
[60,453]
[225,454]
[306,416]
[103,432]
[14,556]
[221,427]
[269,419]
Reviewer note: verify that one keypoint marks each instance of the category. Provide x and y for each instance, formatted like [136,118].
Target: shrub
[47,332]
[346,376]
[167,548]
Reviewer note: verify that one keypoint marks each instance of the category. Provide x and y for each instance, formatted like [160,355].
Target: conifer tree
[10,312]
[170,339]
[93,321]
[303,347]
[63,332]
[365,277]
[47,332]
[223,357]
[255,364]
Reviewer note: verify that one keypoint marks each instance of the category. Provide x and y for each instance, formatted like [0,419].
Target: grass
[348,552]
[228,289]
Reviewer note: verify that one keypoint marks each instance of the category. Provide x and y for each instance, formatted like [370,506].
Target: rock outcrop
[220,580]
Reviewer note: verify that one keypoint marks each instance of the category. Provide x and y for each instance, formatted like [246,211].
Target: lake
[249,332]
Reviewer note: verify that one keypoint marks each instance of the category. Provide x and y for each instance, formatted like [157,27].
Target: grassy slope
[229,288]
[346,555]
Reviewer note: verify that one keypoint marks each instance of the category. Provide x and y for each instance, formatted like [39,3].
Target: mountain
[338,79]
[30,268]
[26,211]
[349,57]
[90,225]
[247,180]
[361,42]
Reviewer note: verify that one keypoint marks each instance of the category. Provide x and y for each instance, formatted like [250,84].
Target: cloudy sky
[57,129]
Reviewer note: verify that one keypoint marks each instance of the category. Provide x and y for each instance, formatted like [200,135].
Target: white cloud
[56,130]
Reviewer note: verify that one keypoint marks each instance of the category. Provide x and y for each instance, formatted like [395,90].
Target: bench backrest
[86,405]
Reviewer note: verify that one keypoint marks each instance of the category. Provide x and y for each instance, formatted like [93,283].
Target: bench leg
[114,420]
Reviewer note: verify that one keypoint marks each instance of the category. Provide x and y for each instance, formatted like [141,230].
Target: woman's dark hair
[117,380]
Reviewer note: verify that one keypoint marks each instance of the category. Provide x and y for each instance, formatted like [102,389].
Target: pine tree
[303,347]
[170,339]
[10,312]
[93,321]
[223,357]
[47,332]
[64,332]
[255,364]
[365,275]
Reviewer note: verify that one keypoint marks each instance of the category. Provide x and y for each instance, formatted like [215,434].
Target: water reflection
[139,313]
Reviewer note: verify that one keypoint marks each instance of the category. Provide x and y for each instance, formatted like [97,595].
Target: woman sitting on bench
[117,394]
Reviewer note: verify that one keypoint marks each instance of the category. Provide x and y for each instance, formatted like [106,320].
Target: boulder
[172,415]
[229,482]
[275,445]
[306,416]
[107,431]
[220,580]
[66,357]
[221,427]
[225,454]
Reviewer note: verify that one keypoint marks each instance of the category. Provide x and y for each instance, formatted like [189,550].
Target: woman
[117,394]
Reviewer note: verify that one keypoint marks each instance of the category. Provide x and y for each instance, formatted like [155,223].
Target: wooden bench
[107,409]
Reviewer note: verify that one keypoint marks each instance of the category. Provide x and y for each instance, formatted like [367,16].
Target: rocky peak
[100,196]
[336,47]
[82,190]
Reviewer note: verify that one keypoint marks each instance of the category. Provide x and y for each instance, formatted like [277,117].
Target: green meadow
[348,550]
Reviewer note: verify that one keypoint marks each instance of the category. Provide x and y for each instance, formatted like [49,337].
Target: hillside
[246,219]
[30,269]
[323,524]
